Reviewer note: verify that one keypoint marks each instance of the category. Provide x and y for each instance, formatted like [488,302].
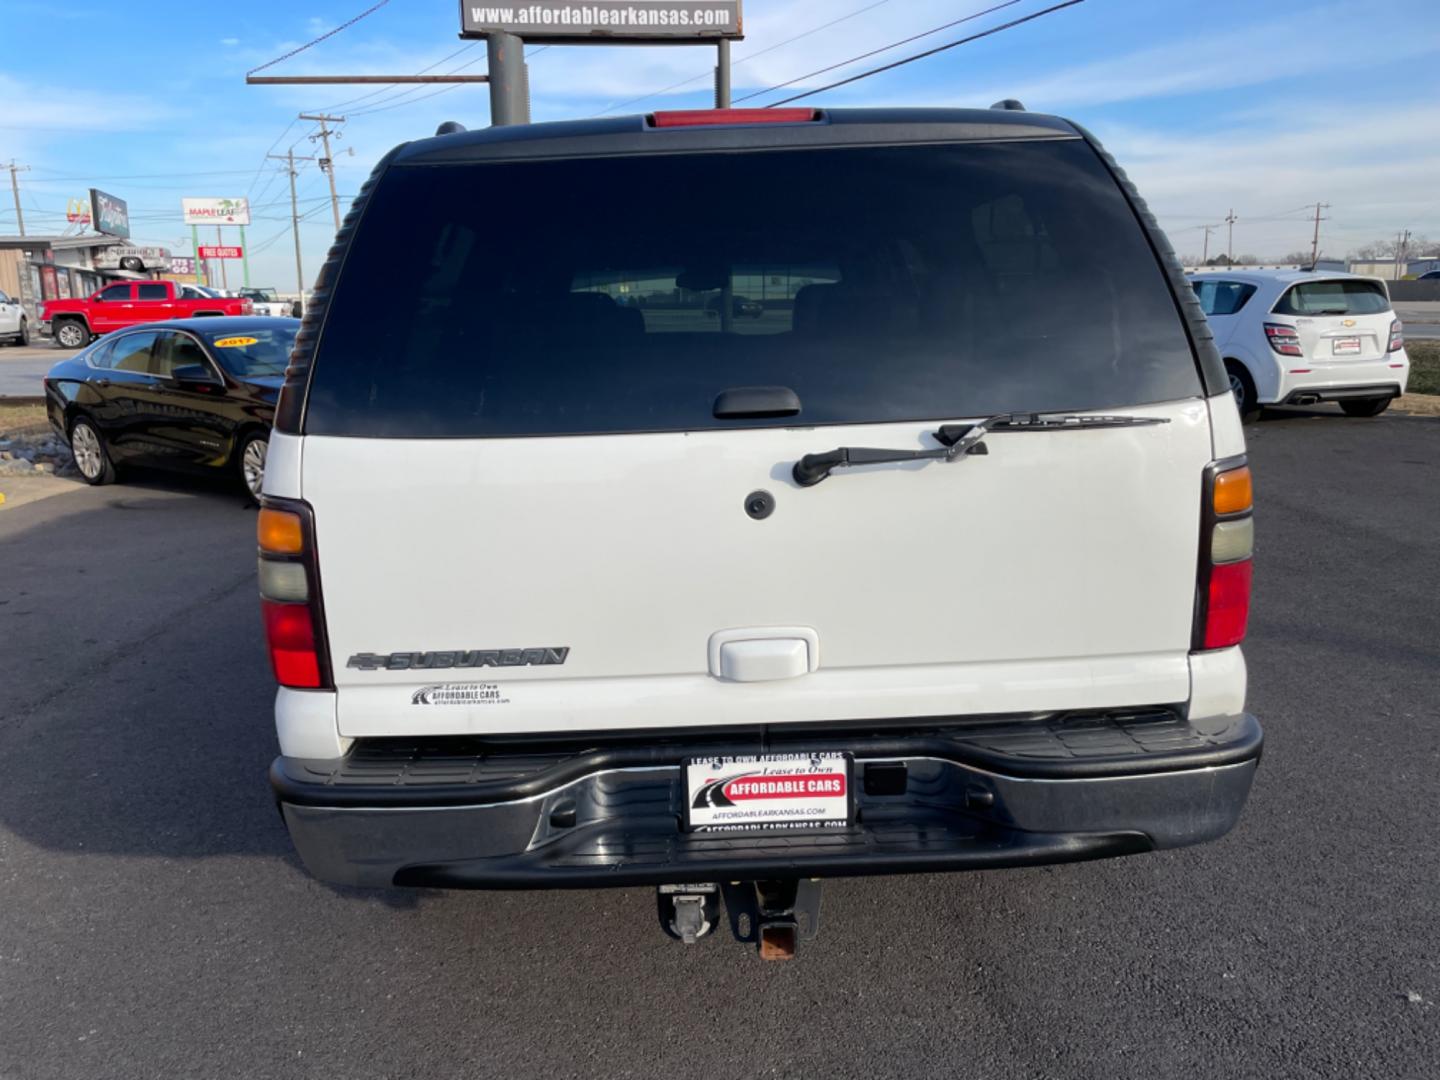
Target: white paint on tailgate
[1217,683]
[305,724]
[1057,571]
[282,465]
[1225,426]
[677,701]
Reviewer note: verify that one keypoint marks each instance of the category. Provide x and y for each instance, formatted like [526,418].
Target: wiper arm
[967,439]
[959,440]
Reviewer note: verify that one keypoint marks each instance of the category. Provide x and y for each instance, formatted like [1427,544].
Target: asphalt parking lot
[153,921]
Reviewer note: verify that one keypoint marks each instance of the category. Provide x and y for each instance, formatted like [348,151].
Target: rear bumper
[1309,395]
[1321,381]
[1004,793]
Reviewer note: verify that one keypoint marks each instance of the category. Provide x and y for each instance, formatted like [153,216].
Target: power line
[740,60]
[877,52]
[395,102]
[928,52]
[328,34]
[387,88]
[266,157]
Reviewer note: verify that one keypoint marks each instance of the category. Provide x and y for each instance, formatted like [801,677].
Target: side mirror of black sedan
[196,375]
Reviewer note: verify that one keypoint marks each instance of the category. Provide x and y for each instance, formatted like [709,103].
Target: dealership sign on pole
[221,253]
[111,215]
[596,22]
[216,211]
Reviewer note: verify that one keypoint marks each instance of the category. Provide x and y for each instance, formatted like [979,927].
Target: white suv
[1294,337]
[937,559]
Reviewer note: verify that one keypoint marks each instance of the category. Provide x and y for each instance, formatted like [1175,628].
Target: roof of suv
[1280,277]
[639,134]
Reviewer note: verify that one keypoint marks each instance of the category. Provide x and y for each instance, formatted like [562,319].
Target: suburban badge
[471,658]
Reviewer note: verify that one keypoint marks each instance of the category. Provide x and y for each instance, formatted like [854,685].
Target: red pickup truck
[78,322]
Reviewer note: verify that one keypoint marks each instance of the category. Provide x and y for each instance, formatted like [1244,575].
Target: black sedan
[186,394]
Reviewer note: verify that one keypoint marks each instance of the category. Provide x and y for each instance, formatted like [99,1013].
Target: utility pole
[1402,241]
[15,190]
[290,160]
[327,163]
[1315,240]
[1230,220]
[1205,258]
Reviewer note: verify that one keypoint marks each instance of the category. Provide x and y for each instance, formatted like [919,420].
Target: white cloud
[56,110]
[1368,164]
[1238,56]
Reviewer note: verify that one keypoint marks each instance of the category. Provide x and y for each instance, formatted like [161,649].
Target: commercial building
[34,269]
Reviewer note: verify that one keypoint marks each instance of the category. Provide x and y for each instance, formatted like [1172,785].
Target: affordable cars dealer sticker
[780,791]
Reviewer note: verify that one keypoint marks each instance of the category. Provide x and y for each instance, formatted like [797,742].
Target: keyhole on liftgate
[759,505]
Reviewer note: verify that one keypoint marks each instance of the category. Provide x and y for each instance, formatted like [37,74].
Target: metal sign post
[722,74]
[509,84]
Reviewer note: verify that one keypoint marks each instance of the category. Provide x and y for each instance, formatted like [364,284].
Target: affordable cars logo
[736,790]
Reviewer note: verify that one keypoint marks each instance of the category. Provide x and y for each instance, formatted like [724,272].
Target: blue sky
[1260,106]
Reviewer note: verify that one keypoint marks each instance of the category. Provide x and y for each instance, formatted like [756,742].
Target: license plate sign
[1345,346]
[768,791]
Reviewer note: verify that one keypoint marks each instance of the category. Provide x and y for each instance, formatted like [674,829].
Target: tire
[92,459]
[1366,406]
[1243,387]
[72,334]
[250,462]
[24,339]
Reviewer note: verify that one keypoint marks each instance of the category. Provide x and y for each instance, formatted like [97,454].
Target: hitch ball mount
[775,916]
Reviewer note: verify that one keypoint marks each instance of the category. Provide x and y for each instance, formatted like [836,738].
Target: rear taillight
[1397,336]
[290,595]
[703,117]
[290,634]
[1283,339]
[1227,544]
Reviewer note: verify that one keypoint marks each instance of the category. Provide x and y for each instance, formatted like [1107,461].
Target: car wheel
[91,457]
[1243,387]
[1369,406]
[24,339]
[253,452]
[71,334]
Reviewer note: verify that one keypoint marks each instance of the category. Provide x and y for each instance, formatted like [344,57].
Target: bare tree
[1385,249]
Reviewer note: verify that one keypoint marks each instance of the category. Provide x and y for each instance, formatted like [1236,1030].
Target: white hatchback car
[1296,337]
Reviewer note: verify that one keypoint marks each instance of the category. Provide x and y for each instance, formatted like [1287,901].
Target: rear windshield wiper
[958,440]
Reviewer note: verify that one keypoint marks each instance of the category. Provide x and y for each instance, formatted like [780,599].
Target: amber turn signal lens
[279,532]
[1232,491]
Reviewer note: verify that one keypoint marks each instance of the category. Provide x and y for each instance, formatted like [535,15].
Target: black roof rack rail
[1009,104]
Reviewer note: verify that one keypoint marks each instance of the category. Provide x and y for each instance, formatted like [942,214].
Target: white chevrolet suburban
[936,559]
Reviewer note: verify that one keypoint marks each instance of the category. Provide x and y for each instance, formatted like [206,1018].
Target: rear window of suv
[624,294]
[1334,298]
